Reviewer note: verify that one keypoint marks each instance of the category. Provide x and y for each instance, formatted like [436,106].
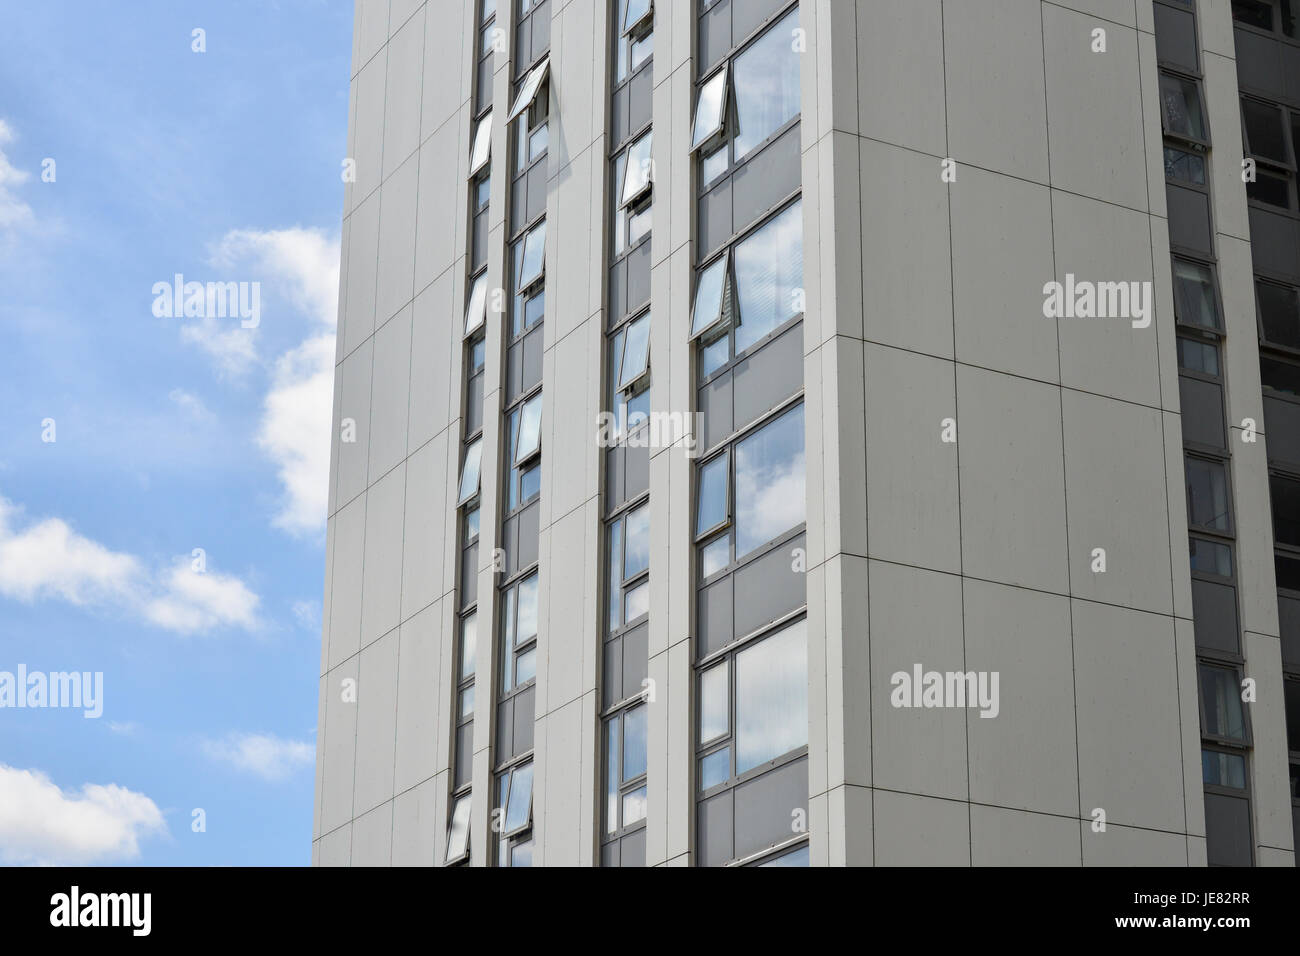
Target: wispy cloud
[14,212]
[191,404]
[302,265]
[232,349]
[48,560]
[42,824]
[263,755]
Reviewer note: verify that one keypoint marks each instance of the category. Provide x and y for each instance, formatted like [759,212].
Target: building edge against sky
[819,234]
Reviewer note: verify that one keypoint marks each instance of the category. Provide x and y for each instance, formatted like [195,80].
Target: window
[625,769]
[1279,314]
[639,171]
[1182,166]
[529,440]
[476,311]
[1279,376]
[519,633]
[750,291]
[1181,113]
[478,157]
[635,361]
[1222,717]
[637,16]
[1207,495]
[629,567]
[1198,356]
[458,831]
[1210,557]
[632,221]
[469,475]
[1264,131]
[712,296]
[753,706]
[630,406]
[1272,16]
[749,100]
[515,812]
[1221,768]
[1196,302]
[796,857]
[1284,492]
[467,651]
[524,483]
[528,92]
[530,260]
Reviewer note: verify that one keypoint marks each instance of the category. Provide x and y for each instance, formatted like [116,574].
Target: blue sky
[171,434]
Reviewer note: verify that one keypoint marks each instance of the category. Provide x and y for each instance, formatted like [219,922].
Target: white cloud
[295,432]
[230,347]
[308,614]
[194,601]
[124,727]
[265,755]
[190,403]
[42,824]
[49,560]
[303,264]
[13,211]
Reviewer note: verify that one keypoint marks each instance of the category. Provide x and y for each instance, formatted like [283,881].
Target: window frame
[616,576]
[1196,144]
[512,649]
[457,801]
[473,448]
[482,138]
[615,829]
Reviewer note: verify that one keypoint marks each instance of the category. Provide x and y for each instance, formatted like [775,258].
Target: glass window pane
[529,90]
[709,109]
[1265,136]
[611,774]
[615,566]
[1280,376]
[534,309]
[1198,356]
[715,555]
[1184,167]
[637,555]
[1223,770]
[489,10]
[714,355]
[769,277]
[476,311]
[634,806]
[634,743]
[532,260]
[767,85]
[1285,495]
[1181,107]
[708,311]
[478,156]
[715,768]
[1279,310]
[636,352]
[772,697]
[1207,494]
[713,165]
[530,429]
[467,703]
[642,49]
[1257,13]
[521,796]
[527,614]
[637,602]
[538,140]
[458,832]
[1221,703]
[1292,702]
[620,213]
[469,473]
[471,525]
[530,483]
[797,857]
[770,482]
[714,702]
[1210,557]
[531,256]
[711,509]
[1271,188]
[468,645]
[1194,298]
[639,169]
[526,666]
[637,10]
[521,855]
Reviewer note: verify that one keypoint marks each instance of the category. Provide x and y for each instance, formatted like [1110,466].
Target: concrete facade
[953,158]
